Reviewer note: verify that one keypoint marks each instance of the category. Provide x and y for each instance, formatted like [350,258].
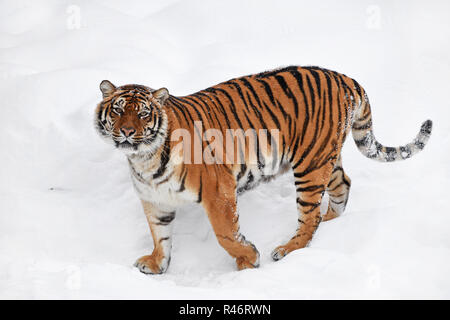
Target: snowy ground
[70,223]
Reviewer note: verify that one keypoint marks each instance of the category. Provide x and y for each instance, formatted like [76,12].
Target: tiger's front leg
[161,225]
[220,205]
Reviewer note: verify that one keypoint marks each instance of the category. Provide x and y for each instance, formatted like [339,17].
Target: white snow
[70,223]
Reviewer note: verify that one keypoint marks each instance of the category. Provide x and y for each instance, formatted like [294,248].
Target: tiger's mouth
[127,145]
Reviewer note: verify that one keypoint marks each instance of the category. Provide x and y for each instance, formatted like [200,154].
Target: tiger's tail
[368,145]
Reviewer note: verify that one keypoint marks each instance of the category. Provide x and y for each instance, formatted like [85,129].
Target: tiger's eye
[117,110]
[144,114]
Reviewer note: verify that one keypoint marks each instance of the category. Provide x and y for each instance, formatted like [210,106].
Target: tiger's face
[132,117]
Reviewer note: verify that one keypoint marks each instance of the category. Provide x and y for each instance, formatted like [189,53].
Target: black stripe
[213,110]
[273,116]
[299,78]
[182,109]
[222,109]
[268,90]
[165,180]
[164,159]
[300,182]
[202,104]
[287,92]
[366,126]
[183,179]
[167,219]
[199,199]
[231,106]
[310,188]
[242,171]
[294,152]
[195,106]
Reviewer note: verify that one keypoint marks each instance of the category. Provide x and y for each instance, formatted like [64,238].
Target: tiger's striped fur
[313,109]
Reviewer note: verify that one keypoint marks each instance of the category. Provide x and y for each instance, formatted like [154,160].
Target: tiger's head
[132,117]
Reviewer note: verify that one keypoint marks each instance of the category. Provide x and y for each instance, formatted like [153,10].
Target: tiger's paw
[329,215]
[279,253]
[151,265]
[244,263]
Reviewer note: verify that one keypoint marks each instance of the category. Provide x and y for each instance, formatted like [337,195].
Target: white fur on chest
[161,192]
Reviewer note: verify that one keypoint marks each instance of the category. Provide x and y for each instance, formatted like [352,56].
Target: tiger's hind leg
[338,189]
[310,185]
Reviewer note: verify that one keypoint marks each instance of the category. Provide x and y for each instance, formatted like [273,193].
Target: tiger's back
[309,108]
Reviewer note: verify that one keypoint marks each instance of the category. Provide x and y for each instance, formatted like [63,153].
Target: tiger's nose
[127,132]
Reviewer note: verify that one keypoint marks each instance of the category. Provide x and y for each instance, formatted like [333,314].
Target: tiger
[311,109]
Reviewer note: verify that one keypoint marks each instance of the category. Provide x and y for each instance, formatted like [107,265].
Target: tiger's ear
[161,95]
[107,88]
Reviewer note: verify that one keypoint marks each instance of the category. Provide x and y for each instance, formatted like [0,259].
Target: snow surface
[71,225]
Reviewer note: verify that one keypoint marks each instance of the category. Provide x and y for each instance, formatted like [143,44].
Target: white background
[70,223]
